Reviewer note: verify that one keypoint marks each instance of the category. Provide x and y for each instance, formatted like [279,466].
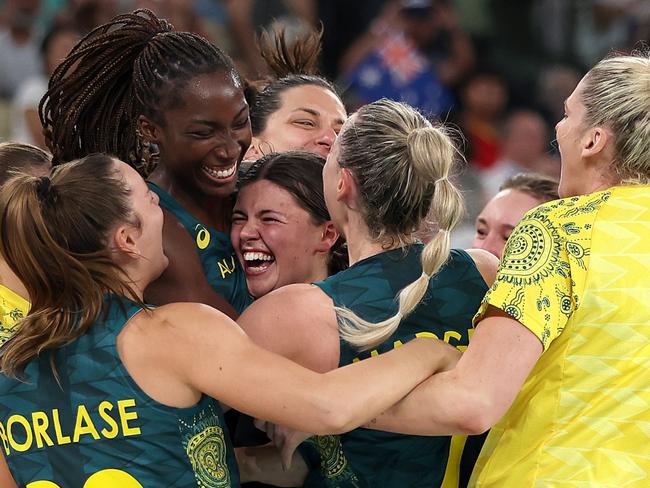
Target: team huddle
[199,249]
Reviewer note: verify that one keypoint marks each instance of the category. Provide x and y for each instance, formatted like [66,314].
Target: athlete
[517,195]
[294,108]
[100,390]
[281,230]
[14,300]
[388,168]
[172,105]
[559,357]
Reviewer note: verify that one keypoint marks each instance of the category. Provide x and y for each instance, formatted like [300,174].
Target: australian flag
[397,70]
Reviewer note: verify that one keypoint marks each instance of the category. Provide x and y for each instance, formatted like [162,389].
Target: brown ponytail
[54,236]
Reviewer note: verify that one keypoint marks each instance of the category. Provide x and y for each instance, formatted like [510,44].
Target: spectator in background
[517,195]
[85,15]
[524,148]
[414,52]
[19,58]
[554,86]
[483,101]
[25,124]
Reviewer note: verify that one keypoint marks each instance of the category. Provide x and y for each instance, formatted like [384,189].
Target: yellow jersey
[576,272]
[13,309]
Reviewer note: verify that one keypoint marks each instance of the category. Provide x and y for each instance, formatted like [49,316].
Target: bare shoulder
[486,263]
[300,301]
[298,322]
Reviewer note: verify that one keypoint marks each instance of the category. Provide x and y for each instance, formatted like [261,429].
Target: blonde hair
[401,164]
[616,93]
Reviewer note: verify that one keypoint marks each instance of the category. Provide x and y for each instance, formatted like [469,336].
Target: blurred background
[499,70]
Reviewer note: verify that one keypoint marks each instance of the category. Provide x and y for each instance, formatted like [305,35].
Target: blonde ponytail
[427,155]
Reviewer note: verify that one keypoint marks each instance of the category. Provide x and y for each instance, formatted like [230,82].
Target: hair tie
[439,180]
[43,187]
[444,231]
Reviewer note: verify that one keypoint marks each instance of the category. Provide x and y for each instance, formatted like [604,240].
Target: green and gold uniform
[98,429]
[13,309]
[371,458]
[222,270]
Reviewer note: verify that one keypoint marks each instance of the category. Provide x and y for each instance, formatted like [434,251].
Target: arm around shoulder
[473,396]
[207,352]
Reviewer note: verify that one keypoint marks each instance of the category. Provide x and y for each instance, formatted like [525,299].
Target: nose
[326,138]
[248,231]
[228,150]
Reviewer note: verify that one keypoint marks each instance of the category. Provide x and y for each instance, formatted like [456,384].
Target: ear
[149,129]
[595,141]
[346,188]
[328,238]
[125,241]
[254,150]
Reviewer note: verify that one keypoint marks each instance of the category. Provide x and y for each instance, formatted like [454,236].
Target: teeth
[217,173]
[257,256]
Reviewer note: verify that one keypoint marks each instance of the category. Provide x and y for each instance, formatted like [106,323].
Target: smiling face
[309,118]
[203,140]
[499,217]
[276,240]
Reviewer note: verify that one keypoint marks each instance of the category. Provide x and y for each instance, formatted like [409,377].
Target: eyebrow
[316,113]
[212,123]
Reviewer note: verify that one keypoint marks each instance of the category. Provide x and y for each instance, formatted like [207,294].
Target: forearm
[441,405]
[362,390]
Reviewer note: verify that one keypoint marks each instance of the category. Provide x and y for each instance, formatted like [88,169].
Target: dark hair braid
[133,65]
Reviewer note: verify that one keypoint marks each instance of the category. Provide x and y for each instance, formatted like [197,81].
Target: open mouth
[257,262]
[217,173]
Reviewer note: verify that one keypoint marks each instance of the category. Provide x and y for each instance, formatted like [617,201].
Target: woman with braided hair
[388,167]
[134,84]
[294,108]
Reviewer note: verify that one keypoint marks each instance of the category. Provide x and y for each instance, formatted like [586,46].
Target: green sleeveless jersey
[220,264]
[98,429]
[372,458]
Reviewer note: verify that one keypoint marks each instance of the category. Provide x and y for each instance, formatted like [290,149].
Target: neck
[320,272]
[212,211]
[360,244]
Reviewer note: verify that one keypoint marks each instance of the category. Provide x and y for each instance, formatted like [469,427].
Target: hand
[285,440]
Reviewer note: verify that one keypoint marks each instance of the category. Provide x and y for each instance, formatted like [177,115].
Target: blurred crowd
[499,70]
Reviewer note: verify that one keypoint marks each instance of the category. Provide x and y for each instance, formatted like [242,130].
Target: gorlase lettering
[107,420]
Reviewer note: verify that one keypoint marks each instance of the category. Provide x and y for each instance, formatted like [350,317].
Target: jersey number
[106,478]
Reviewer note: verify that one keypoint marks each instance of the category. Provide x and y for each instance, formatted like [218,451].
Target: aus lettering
[226,266]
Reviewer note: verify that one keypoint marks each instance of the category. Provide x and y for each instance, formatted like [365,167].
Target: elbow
[337,421]
[475,414]
[335,416]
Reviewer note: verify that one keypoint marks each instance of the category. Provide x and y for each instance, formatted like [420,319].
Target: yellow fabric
[13,309]
[576,272]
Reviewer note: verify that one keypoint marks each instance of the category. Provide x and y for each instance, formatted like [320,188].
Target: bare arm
[185,349]
[474,395]
[184,279]
[6,480]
